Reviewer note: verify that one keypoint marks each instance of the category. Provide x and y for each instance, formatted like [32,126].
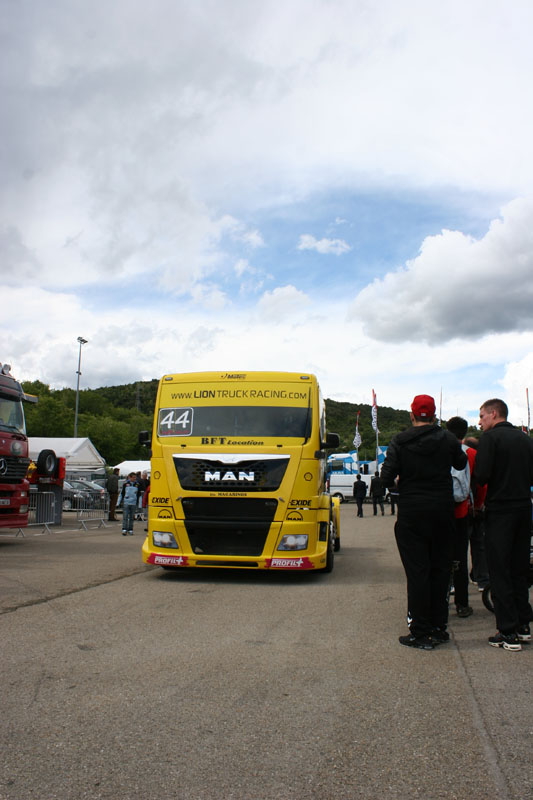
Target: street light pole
[82,341]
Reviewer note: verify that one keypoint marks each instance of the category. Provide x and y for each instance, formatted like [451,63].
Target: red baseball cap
[423,406]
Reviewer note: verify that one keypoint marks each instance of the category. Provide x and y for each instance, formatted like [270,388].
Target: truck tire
[335,512]
[330,555]
[487,599]
[46,463]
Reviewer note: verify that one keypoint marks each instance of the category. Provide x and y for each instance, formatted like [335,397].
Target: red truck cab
[14,461]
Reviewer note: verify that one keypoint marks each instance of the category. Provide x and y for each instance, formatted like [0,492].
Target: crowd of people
[453,491]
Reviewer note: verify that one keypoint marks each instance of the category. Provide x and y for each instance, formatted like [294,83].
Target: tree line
[112,416]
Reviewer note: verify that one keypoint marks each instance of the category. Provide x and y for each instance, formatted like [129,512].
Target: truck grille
[252,474]
[228,526]
[12,469]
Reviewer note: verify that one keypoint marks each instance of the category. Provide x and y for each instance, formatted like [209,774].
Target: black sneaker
[509,641]
[420,642]
[524,633]
[464,611]
[440,636]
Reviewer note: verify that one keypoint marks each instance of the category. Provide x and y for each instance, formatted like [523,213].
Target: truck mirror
[332,441]
[144,438]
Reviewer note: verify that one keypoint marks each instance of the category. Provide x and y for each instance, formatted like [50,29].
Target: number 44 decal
[175,422]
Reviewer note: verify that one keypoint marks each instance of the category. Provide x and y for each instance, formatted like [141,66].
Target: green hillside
[342,417]
[112,417]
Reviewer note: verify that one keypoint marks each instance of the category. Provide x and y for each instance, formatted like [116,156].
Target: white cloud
[142,144]
[519,377]
[210,297]
[458,287]
[124,127]
[242,266]
[282,303]
[286,332]
[324,246]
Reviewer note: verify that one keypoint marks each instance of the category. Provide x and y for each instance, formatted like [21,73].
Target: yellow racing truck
[238,473]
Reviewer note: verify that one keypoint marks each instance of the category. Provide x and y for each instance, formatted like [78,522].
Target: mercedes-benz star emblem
[3,466]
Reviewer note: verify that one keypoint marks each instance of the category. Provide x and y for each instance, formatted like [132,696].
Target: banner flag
[357,438]
[374,412]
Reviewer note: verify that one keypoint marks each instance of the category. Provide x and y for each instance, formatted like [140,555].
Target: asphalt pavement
[125,681]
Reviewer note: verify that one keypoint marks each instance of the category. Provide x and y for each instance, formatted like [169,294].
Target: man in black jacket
[377,492]
[421,457]
[112,488]
[359,492]
[504,462]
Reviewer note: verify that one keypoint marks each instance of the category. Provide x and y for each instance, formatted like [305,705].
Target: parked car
[90,486]
[101,482]
[74,497]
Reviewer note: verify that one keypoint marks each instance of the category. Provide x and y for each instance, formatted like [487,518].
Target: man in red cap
[421,458]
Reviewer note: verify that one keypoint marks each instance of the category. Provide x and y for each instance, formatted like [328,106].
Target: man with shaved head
[504,462]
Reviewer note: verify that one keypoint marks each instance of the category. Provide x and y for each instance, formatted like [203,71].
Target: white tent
[81,455]
[126,467]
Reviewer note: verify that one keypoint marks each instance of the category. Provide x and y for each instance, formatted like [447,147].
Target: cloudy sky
[337,186]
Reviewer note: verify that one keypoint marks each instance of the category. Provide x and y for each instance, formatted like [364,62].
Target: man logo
[294,516]
[229,476]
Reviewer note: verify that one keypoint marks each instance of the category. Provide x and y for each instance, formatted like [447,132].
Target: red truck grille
[13,470]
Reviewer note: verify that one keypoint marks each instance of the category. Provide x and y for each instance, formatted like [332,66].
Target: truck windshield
[239,421]
[11,415]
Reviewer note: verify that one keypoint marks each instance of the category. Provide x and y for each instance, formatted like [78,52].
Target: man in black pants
[359,492]
[504,461]
[377,491]
[422,457]
[459,426]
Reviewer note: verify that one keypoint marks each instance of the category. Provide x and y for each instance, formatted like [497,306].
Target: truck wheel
[335,514]
[487,599]
[46,463]
[330,556]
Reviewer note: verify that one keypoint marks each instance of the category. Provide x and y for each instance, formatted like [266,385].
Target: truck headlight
[164,539]
[23,509]
[294,542]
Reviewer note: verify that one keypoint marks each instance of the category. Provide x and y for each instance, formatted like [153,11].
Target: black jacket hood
[423,439]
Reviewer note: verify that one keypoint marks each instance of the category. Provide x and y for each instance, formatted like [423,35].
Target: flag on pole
[374,412]
[357,438]
[528,412]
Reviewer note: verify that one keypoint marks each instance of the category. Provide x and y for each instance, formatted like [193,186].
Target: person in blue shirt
[129,498]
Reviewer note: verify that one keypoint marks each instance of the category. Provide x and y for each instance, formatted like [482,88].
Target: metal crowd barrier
[41,510]
[94,508]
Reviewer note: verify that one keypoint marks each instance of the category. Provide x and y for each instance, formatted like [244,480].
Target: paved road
[122,681]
